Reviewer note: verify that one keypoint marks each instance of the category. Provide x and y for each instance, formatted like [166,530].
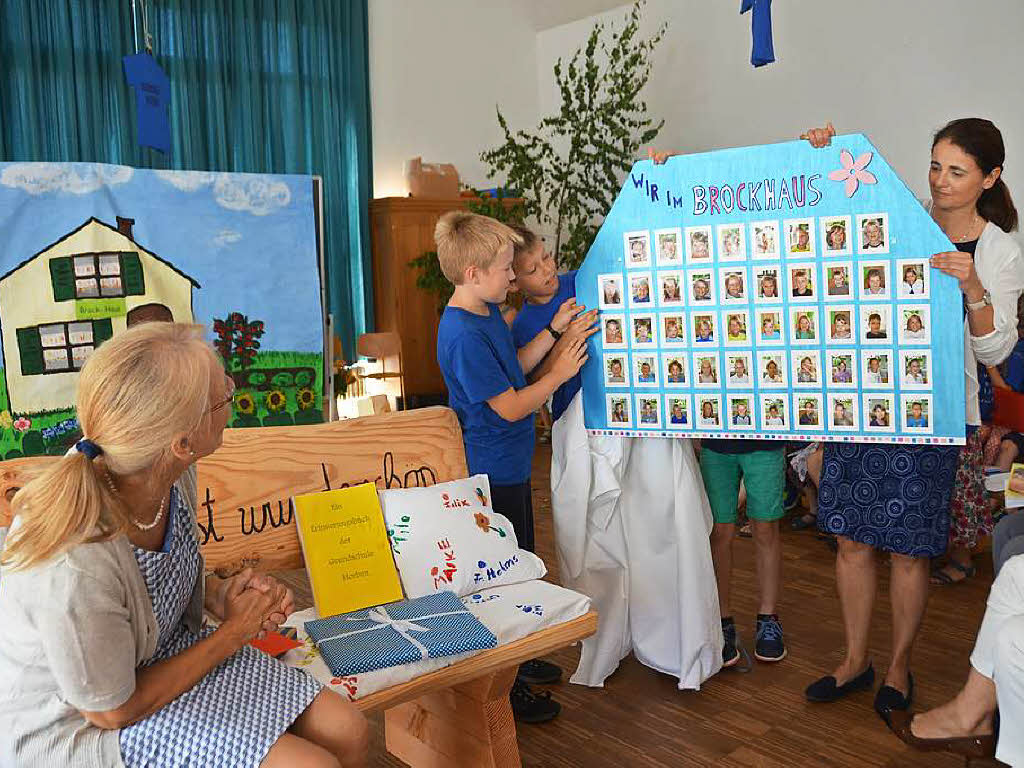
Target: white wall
[437,70]
[893,69]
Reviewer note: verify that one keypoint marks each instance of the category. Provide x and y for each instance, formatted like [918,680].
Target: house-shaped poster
[779,292]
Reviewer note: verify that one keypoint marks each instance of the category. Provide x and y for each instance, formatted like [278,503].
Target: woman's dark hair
[982,140]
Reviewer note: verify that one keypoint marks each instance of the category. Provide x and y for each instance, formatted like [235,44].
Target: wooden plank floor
[756,720]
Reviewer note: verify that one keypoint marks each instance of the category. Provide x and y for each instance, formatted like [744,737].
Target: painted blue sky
[247,239]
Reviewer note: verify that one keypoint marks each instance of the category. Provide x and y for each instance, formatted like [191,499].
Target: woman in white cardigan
[972,205]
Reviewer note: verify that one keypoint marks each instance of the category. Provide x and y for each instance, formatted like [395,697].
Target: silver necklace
[136,523]
[967,234]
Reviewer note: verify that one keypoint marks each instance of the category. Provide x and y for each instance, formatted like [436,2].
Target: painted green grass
[12,440]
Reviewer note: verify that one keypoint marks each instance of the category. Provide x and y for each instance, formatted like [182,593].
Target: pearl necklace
[140,526]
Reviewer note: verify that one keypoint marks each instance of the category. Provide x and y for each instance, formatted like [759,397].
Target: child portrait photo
[835,234]
[730,243]
[611,333]
[765,239]
[837,280]
[615,370]
[674,369]
[678,409]
[734,286]
[873,233]
[645,370]
[802,283]
[638,249]
[610,291]
[643,331]
[767,282]
[875,367]
[800,236]
[698,245]
[673,330]
[914,326]
[670,247]
[670,288]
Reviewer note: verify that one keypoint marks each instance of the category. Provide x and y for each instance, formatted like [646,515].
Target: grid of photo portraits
[795,326]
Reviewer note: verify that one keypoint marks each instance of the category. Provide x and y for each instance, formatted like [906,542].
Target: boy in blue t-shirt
[545,291]
[487,388]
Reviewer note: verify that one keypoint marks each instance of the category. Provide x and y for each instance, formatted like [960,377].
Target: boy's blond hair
[467,239]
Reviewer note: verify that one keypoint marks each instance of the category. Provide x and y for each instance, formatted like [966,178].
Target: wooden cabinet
[402,228]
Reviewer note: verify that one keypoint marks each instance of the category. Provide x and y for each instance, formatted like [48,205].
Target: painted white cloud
[251,193]
[187,181]
[226,237]
[73,178]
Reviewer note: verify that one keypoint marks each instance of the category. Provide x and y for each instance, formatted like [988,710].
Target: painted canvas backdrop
[86,249]
[858,340]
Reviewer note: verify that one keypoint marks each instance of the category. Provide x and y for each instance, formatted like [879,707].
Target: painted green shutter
[101,331]
[131,275]
[30,349]
[62,276]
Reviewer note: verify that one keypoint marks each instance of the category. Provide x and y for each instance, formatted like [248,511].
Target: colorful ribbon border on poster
[773,292]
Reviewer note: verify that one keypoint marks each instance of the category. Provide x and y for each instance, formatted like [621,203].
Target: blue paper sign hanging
[762,51]
[773,292]
[152,97]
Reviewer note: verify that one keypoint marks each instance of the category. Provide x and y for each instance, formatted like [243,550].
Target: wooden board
[244,488]
[244,513]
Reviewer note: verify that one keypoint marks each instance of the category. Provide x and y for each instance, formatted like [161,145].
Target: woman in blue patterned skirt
[897,498]
[105,661]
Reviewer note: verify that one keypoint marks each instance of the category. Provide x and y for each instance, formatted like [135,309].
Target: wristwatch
[555,334]
[986,301]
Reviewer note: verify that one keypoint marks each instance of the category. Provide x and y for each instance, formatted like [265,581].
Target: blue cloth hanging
[152,98]
[762,52]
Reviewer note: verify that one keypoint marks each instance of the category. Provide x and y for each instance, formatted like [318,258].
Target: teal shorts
[764,476]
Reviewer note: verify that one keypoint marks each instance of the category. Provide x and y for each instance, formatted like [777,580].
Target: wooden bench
[456,716]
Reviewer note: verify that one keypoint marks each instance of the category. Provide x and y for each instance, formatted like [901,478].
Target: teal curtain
[258,86]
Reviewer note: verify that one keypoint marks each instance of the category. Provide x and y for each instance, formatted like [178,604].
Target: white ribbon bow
[381,618]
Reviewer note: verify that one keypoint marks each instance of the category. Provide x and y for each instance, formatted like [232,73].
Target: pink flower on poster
[853,171]
[22,424]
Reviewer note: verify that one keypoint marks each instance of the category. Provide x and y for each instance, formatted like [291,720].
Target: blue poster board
[777,292]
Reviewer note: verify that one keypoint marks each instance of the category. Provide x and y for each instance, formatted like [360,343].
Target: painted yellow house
[73,295]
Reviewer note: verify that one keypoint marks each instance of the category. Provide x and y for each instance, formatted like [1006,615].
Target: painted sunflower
[276,401]
[245,403]
[482,521]
[305,398]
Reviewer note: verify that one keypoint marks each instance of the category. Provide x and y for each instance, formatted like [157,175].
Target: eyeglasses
[230,395]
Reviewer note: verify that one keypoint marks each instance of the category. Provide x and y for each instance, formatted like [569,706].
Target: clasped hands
[254,602]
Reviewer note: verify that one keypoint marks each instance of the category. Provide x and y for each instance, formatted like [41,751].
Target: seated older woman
[965,725]
[104,659]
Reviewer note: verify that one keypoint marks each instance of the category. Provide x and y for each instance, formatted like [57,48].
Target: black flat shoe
[889,700]
[826,690]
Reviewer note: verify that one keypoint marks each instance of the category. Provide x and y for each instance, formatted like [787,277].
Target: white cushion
[446,536]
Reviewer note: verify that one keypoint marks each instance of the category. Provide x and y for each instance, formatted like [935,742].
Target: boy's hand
[566,313]
[570,360]
[583,326]
[820,137]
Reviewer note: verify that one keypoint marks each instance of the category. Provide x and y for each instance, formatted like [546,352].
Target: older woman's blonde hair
[138,394]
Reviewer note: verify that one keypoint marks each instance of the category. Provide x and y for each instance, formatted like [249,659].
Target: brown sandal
[969,746]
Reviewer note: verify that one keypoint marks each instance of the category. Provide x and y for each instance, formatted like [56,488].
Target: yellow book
[348,555]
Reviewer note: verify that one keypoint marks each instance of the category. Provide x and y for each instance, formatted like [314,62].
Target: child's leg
[721,473]
[764,473]
[516,503]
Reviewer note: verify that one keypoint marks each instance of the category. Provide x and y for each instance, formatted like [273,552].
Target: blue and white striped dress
[235,714]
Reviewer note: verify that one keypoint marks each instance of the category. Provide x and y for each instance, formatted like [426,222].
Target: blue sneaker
[769,644]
